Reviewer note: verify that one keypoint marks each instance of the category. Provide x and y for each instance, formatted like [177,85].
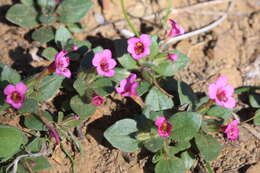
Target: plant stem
[248,119]
[204,107]
[127,19]
[70,158]
[209,168]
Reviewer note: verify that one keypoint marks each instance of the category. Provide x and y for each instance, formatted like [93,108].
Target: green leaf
[29,106]
[49,53]
[22,15]
[180,146]
[154,46]
[11,139]
[167,67]
[254,100]
[86,62]
[185,125]
[28,2]
[257,118]
[38,163]
[103,86]
[43,35]
[83,46]
[171,165]
[154,144]
[71,11]
[187,159]
[186,94]
[75,27]
[128,62]
[80,86]
[82,109]
[219,112]
[121,73]
[143,88]
[33,122]
[62,35]
[35,145]
[157,100]
[48,87]
[119,135]
[71,122]
[208,146]
[46,19]
[10,75]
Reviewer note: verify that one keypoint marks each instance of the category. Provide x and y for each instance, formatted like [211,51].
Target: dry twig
[14,164]
[252,130]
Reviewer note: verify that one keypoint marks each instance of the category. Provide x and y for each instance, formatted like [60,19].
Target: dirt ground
[232,48]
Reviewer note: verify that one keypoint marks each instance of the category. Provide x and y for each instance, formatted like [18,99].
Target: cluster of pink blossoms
[222,93]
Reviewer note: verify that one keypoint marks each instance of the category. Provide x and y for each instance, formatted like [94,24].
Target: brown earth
[232,48]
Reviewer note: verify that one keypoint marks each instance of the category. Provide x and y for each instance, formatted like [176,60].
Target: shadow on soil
[22,61]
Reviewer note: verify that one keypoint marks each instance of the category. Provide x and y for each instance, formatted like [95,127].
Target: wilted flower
[232,130]
[15,94]
[176,29]
[222,93]
[104,63]
[128,86]
[97,100]
[163,126]
[139,47]
[172,56]
[61,63]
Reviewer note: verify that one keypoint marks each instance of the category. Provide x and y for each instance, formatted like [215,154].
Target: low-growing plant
[50,19]
[173,122]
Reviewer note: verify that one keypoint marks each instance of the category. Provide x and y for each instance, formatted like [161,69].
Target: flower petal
[9,89]
[21,88]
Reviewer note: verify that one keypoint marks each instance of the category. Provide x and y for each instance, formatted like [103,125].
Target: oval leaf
[119,135]
[185,125]
[22,15]
[11,139]
[71,11]
[157,100]
[208,146]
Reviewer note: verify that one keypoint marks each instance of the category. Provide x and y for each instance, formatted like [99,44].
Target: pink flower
[61,63]
[74,47]
[104,63]
[128,86]
[15,94]
[164,127]
[172,56]
[232,130]
[222,93]
[139,47]
[176,29]
[97,100]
